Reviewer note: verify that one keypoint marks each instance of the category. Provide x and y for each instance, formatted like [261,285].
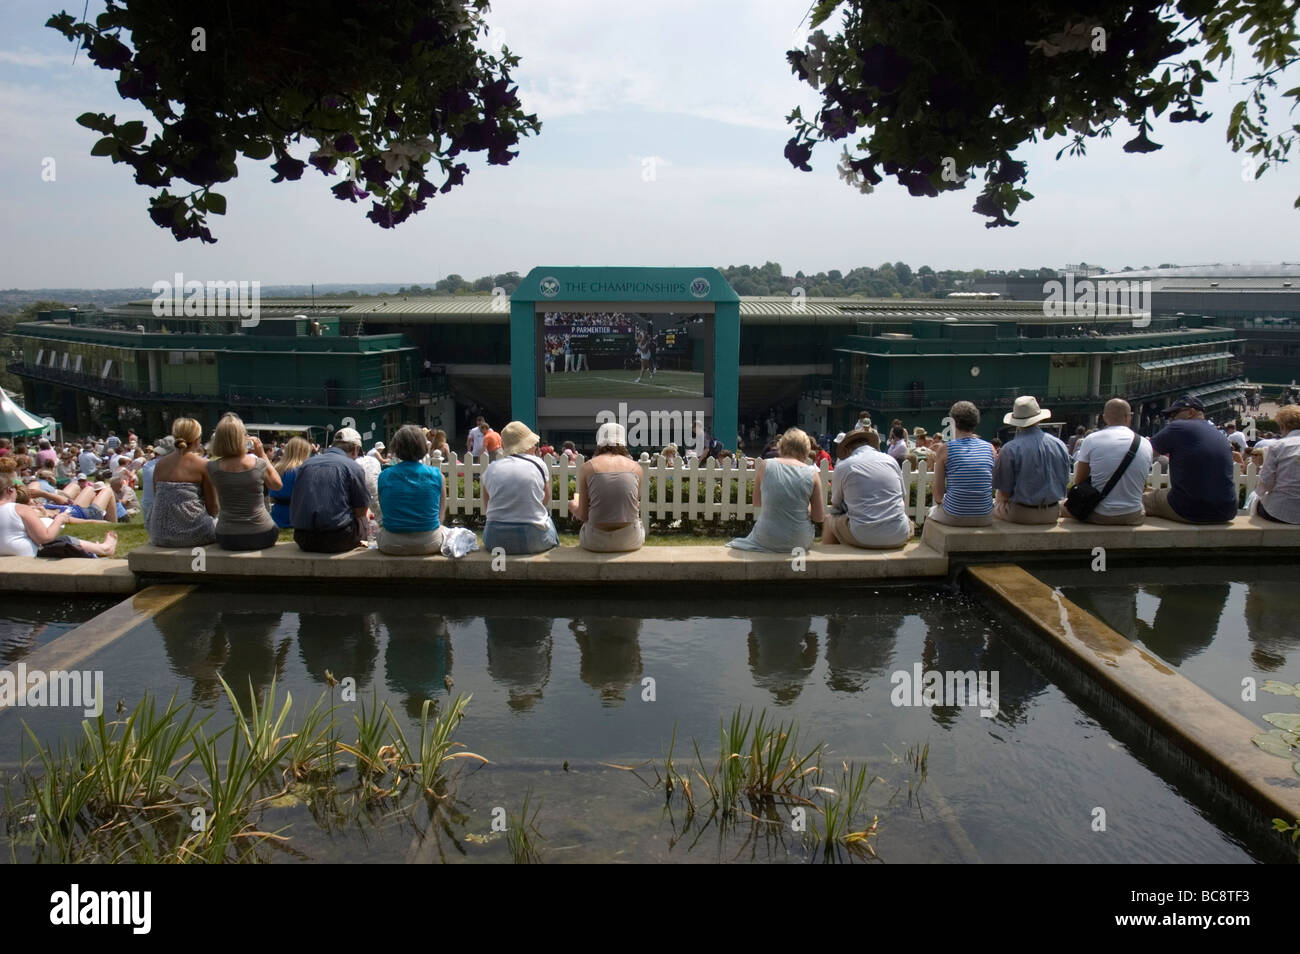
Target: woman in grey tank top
[609,496]
[242,474]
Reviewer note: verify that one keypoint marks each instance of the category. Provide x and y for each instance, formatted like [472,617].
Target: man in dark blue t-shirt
[1203,488]
[329,498]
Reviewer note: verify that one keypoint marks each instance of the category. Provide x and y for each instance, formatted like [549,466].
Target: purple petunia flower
[345,143]
[348,190]
[287,167]
[381,216]
[372,167]
[798,154]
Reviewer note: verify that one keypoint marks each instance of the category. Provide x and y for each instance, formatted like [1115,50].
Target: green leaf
[216,203]
[132,133]
[1273,745]
[105,147]
[1286,721]
[1280,688]
[257,149]
[91,120]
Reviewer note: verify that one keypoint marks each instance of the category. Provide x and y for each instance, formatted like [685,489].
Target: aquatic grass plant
[424,761]
[522,834]
[156,786]
[839,833]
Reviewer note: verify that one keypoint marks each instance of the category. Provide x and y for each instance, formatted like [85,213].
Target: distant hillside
[15,299]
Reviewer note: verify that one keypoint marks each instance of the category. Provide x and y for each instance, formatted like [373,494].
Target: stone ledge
[562,565]
[1069,535]
[1184,713]
[34,575]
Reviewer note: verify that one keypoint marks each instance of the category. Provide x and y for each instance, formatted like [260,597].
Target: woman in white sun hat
[516,496]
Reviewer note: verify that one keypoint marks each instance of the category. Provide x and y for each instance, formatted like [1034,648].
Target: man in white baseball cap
[329,502]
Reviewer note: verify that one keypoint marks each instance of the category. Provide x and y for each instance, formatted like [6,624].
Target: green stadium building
[379,362]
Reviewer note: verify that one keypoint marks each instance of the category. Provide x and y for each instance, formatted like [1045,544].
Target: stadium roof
[1254,270]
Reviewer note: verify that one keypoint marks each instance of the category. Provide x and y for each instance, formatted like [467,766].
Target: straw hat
[855,439]
[1026,413]
[516,438]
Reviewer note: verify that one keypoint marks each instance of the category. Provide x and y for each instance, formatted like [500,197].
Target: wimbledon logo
[700,287]
[550,286]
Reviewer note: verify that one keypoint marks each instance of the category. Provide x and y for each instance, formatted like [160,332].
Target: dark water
[562,678]
[1216,625]
[28,621]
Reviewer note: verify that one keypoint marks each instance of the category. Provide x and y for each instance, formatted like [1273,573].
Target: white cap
[379,445]
[611,434]
[347,435]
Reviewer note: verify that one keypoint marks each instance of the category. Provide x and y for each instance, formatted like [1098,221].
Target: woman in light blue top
[412,496]
[963,473]
[787,491]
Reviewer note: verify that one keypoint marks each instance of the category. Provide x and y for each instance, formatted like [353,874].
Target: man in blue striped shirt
[1031,472]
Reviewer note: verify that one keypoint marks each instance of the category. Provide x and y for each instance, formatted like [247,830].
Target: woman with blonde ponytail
[184,497]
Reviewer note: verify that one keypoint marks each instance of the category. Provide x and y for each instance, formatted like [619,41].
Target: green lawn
[131,535]
[617,383]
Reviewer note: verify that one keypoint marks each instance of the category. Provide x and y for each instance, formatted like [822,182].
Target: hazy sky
[702,88]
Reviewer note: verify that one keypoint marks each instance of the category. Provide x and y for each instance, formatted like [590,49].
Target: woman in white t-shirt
[516,495]
[24,532]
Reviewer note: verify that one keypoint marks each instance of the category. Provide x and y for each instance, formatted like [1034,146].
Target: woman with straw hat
[516,496]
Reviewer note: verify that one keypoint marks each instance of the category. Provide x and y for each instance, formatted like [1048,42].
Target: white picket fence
[688,491]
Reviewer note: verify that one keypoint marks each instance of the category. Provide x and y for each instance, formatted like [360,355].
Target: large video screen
[624,355]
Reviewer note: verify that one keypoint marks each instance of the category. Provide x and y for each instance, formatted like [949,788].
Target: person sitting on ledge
[1279,479]
[1100,452]
[242,473]
[23,531]
[608,502]
[329,503]
[963,473]
[184,501]
[1031,472]
[411,492]
[516,491]
[296,453]
[868,497]
[1203,488]
[787,489]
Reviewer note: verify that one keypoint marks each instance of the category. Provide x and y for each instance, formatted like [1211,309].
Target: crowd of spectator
[237,494]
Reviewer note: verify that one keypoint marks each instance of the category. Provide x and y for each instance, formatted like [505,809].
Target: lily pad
[1287,721]
[1281,688]
[1273,745]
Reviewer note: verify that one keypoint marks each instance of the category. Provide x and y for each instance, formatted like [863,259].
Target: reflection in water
[856,651]
[417,657]
[782,653]
[1272,610]
[236,646]
[519,656]
[1186,618]
[610,648]
[965,644]
[344,643]
[1185,623]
